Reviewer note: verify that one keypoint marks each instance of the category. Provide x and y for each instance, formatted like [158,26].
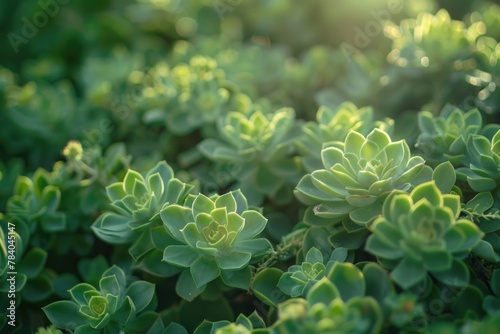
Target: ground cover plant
[238,167]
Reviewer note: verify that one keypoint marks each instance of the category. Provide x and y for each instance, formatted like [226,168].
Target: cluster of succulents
[226,167]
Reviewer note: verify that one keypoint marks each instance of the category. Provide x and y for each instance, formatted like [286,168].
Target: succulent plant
[137,202]
[483,211]
[114,307]
[36,201]
[242,325]
[482,161]
[300,278]
[430,42]
[359,174]
[260,146]
[217,239]
[188,96]
[135,219]
[334,125]
[324,311]
[420,233]
[444,138]
[48,330]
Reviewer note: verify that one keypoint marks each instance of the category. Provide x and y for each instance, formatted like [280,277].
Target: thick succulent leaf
[353,142]
[436,260]
[408,273]
[166,172]
[240,200]
[175,218]
[156,185]
[186,287]
[365,215]
[77,292]
[237,278]
[323,292]
[113,228]
[378,283]
[109,285]
[141,293]
[130,179]
[348,280]
[458,275]
[254,224]
[204,271]
[308,193]
[234,260]
[202,204]
[480,203]
[444,176]
[310,218]
[428,191]
[180,255]
[265,286]
[33,262]
[64,314]
[226,201]
[314,256]
[331,156]
[326,182]
[255,247]
[472,234]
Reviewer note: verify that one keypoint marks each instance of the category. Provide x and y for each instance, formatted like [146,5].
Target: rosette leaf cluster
[333,125]
[430,42]
[260,147]
[189,96]
[420,233]
[217,237]
[357,177]
[135,219]
[445,137]
[114,307]
[324,311]
[36,201]
[300,278]
[137,201]
[482,161]
[242,325]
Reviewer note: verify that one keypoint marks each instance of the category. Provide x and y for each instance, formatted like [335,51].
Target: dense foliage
[238,167]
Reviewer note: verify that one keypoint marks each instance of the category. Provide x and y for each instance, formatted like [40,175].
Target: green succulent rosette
[357,177]
[300,278]
[445,137]
[217,237]
[334,124]
[420,233]
[36,201]
[137,201]
[482,161]
[324,311]
[135,220]
[260,148]
[114,307]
